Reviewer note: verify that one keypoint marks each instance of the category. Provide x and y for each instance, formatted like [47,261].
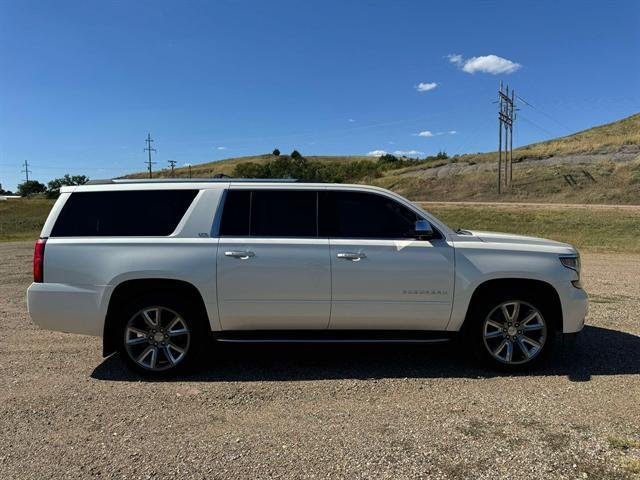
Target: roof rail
[190,180]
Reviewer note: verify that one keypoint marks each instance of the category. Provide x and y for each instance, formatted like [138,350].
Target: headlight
[572,262]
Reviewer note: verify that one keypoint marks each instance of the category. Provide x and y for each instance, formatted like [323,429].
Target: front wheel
[160,335]
[512,333]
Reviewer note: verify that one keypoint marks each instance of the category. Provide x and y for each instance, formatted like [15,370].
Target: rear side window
[364,215]
[270,213]
[235,214]
[122,213]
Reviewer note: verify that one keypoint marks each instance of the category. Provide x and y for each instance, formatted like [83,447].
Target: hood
[509,238]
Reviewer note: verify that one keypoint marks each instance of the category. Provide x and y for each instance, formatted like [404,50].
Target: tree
[67,180]
[296,154]
[31,187]
[276,152]
[387,158]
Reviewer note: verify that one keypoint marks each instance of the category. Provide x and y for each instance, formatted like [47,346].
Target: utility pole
[189,165]
[26,170]
[149,149]
[172,163]
[506,116]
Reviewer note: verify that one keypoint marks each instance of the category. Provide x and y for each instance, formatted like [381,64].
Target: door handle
[241,254]
[354,257]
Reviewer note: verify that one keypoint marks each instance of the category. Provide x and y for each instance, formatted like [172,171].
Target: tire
[512,330]
[161,335]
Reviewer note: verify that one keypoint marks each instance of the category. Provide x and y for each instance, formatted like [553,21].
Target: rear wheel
[513,331]
[161,335]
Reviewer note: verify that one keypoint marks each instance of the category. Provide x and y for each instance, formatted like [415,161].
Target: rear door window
[138,213]
[270,213]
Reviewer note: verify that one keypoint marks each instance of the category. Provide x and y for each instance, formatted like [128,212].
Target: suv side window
[346,214]
[129,213]
[270,213]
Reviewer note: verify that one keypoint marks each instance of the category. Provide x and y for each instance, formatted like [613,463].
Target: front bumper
[575,306]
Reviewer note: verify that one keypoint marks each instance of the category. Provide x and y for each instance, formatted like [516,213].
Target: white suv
[158,268]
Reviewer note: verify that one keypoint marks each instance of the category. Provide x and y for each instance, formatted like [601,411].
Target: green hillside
[209,169]
[598,165]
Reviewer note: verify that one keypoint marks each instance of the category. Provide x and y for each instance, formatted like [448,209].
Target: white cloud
[221,148]
[486,64]
[376,153]
[455,58]
[425,87]
[425,133]
[408,152]
[351,120]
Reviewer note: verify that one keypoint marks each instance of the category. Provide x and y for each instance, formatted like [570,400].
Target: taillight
[38,261]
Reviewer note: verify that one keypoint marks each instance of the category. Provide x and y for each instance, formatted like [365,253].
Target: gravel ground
[323,411]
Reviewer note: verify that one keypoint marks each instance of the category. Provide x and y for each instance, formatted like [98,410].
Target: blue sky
[83,82]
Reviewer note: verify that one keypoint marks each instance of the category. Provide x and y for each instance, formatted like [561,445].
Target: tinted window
[235,215]
[128,213]
[269,213]
[285,213]
[364,215]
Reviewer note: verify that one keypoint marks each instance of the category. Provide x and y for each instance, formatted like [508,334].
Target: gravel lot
[323,411]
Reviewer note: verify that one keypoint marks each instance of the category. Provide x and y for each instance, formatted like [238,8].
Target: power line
[149,149]
[26,170]
[570,130]
[531,122]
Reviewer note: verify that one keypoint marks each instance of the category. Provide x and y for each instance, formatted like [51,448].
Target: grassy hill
[603,164]
[598,165]
[207,170]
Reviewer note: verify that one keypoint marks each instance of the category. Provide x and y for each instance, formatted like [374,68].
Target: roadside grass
[591,229]
[23,218]
[596,230]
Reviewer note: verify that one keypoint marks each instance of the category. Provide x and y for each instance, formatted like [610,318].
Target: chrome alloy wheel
[514,332]
[157,338]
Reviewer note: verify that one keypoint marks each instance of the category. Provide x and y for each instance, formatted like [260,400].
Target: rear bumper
[66,308]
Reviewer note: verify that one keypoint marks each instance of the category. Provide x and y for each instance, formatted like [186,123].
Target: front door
[383,277]
[273,272]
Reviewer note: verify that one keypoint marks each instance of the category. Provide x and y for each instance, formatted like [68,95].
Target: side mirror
[423,229]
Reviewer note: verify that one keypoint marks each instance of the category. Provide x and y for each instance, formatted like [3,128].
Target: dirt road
[633,208]
[319,411]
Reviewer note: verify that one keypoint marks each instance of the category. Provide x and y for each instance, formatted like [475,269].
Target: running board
[333,336]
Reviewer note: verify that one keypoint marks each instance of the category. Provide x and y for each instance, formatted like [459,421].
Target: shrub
[31,187]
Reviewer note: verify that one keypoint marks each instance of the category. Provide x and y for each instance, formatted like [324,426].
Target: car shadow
[597,351]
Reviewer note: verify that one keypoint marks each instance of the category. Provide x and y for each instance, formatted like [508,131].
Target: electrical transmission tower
[26,170]
[506,116]
[172,163]
[149,149]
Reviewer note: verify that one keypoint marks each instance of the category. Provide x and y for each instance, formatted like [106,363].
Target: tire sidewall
[475,336]
[193,319]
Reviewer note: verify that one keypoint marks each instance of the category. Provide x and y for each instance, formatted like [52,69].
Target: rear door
[383,277]
[273,271]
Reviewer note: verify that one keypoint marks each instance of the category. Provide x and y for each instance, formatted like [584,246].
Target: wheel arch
[513,285]
[130,289]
